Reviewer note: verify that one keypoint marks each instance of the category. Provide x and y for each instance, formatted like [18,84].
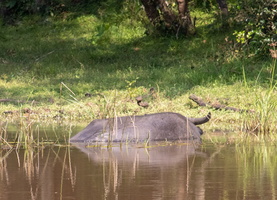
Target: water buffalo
[165,126]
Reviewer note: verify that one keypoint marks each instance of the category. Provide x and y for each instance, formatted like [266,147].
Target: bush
[12,10]
[259,21]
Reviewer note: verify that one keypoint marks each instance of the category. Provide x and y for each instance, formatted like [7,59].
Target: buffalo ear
[200,131]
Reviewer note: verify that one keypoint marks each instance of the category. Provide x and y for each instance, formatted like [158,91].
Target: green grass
[115,61]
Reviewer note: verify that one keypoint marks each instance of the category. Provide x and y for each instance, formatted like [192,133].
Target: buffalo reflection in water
[146,172]
[167,155]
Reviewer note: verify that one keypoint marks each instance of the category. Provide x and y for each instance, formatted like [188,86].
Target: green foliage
[22,7]
[14,10]
[203,4]
[258,20]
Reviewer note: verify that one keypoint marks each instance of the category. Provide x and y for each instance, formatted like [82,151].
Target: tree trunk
[152,13]
[159,13]
[187,25]
[223,7]
[169,17]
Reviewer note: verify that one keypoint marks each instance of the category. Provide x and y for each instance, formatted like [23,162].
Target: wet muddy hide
[166,126]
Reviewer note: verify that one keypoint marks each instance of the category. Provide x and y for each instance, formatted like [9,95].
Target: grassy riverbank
[48,65]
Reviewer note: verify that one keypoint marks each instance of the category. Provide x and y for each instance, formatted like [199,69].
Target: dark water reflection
[164,172]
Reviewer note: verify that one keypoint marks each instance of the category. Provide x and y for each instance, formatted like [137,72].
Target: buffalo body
[166,126]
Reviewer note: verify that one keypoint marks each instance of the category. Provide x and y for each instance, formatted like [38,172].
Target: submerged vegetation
[80,65]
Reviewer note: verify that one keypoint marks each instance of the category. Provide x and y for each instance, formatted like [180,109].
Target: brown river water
[180,171]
